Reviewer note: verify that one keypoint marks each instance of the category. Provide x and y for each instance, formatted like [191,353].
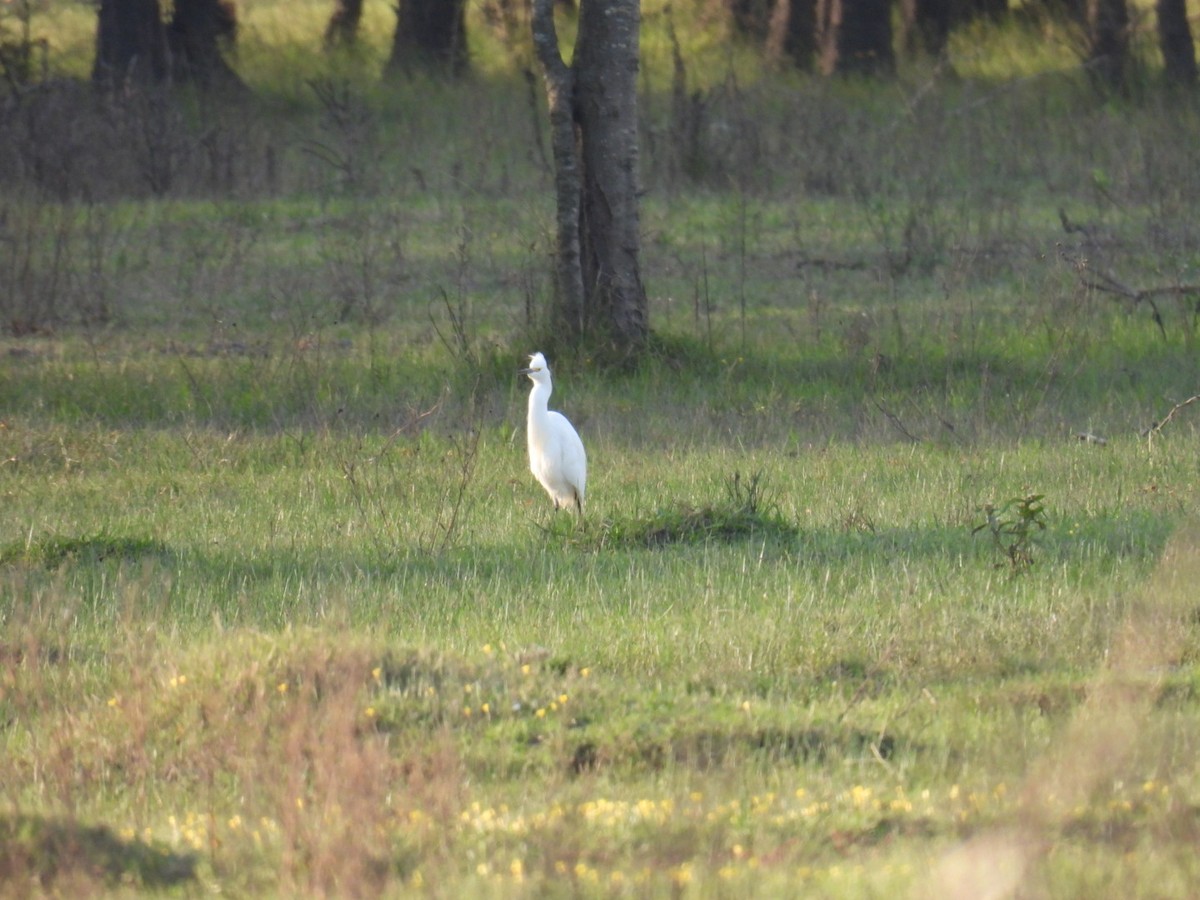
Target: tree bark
[927,26]
[855,37]
[1175,39]
[791,33]
[431,36]
[130,43]
[594,135]
[194,35]
[1108,41]
[974,9]
[785,28]
[342,28]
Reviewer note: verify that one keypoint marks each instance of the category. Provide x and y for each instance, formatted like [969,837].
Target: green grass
[834,698]
[283,612]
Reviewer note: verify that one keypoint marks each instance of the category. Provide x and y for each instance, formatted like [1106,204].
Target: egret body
[556,455]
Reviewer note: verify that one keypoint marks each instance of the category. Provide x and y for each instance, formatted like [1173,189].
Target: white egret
[556,455]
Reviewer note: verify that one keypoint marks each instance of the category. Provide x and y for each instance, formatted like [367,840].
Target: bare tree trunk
[1108,41]
[974,9]
[750,17]
[785,28]
[431,36]
[927,26]
[130,43]
[1175,38]
[855,37]
[568,183]
[791,33]
[594,130]
[342,29]
[194,35]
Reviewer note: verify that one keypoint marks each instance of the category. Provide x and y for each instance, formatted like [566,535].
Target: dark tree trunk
[855,37]
[786,28]
[594,131]
[130,43]
[1069,10]
[342,29]
[974,9]
[195,34]
[791,33]
[1108,41]
[927,26]
[1175,39]
[431,36]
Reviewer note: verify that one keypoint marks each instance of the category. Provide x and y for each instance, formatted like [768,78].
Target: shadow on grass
[621,730]
[745,511]
[52,551]
[230,580]
[706,748]
[42,851]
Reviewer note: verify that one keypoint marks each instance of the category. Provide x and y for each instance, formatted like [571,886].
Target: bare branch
[1110,285]
[1106,283]
[1158,426]
[896,422]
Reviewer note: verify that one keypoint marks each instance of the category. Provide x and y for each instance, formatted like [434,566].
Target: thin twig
[895,420]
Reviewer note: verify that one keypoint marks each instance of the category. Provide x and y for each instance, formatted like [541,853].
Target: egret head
[537,370]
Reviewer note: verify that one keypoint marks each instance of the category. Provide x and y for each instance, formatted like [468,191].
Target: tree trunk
[855,37]
[130,43]
[594,133]
[1175,38]
[927,26]
[750,17]
[785,28]
[195,34]
[342,29]
[1060,10]
[1108,41]
[791,33]
[975,9]
[431,36]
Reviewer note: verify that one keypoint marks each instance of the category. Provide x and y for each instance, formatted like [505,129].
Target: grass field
[886,584]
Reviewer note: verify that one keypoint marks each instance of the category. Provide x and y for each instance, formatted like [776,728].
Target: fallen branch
[1099,280]
[1158,426]
[1108,284]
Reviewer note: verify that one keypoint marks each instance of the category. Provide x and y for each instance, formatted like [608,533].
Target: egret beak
[527,370]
